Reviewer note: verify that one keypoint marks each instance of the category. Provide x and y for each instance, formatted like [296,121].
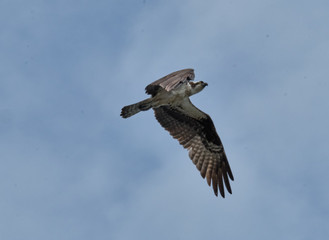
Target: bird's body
[193,128]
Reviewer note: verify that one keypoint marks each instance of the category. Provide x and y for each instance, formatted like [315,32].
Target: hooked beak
[204,84]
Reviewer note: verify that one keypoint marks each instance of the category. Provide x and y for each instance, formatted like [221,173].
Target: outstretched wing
[199,136]
[170,81]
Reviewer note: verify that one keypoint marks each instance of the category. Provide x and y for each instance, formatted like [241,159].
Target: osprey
[193,128]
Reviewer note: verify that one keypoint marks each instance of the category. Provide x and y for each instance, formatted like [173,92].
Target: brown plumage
[193,128]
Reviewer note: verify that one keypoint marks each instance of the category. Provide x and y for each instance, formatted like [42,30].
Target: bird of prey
[193,128]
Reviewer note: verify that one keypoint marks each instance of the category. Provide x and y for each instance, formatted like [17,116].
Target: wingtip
[222,193]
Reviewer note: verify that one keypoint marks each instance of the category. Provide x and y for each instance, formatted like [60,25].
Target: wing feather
[199,136]
[215,183]
[220,182]
[170,81]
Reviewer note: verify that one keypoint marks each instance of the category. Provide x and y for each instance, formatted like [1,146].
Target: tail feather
[132,109]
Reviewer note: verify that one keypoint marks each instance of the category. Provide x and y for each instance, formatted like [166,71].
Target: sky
[72,168]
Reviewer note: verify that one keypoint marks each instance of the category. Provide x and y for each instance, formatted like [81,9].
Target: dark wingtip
[231,175]
[222,192]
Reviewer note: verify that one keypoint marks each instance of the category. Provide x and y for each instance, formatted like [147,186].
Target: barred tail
[132,109]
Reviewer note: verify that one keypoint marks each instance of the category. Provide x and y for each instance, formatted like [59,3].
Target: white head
[196,87]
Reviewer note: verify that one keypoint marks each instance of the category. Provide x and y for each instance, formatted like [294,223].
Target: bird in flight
[193,128]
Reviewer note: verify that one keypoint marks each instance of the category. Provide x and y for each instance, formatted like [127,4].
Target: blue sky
[73,169]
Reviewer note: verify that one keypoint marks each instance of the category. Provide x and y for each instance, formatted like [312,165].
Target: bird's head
[197,87]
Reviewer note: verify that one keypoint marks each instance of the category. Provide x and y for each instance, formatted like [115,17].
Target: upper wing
[170,81]
[199,136]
